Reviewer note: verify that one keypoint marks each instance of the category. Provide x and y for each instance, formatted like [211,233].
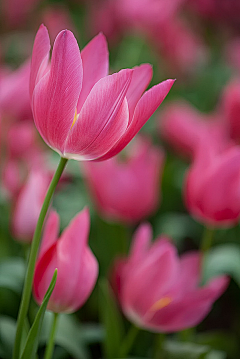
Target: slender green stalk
[128,342]
[207,239]
[32,259]
[160,338]
[50,346]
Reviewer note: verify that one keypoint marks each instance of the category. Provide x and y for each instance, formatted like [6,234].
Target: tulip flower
[80,111]
[76,264]
[14,94]
[231,109]
[160,291]
[127,191]
[28,205]
[183,126]
[212,190]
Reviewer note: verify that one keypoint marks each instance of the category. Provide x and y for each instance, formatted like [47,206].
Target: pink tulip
[76,264]
[212,191]
[28,205]
[127,191]
[81,112]
[161,292]
[14,93]
[182,126]
[231,109]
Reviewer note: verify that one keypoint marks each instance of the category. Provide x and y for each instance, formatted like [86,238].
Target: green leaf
[31,346]
[183,350]
[12,272]
[68,335]
[111,319]
[223,259]
[7,336]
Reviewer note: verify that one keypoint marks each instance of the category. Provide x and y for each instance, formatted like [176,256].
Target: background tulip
[28,205]
[127,191]
[76,264]
[158,290]
[212,189]
[80,111]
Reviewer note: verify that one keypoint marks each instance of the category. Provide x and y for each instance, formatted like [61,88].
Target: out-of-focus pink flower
[223,11]
[127,191]
[183,126]
[23,153]
[57,18]
[14,93]
[212,191]
[81,112]
[160,291]
[76,264]
[232,53]
[28,205]
[179,44]
[231,109]
[16,11]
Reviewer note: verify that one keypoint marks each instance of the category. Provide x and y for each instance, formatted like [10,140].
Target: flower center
[75,119]
[161,303]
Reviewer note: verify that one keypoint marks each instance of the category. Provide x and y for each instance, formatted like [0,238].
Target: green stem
[160,338]
[207,239]
[32,259]
[128,341]
[50,346]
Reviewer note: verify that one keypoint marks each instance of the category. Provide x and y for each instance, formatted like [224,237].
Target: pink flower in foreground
[160,291]
[80,111]
[212,191]
[28,205]
[76,264]
[127,191]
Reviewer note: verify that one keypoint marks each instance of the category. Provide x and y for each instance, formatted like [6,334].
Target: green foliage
[12,271]
[31,346]
[222,259]
[112,321]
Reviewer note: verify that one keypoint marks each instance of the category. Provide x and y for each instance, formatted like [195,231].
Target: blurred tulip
[212,189]
[81,112]
[232,53]
[182,126]
[57,18]
[161,292]
[231,109]
[127,191]
[76,264]
[14,93]
[28,205]
[182,48]
[17,11]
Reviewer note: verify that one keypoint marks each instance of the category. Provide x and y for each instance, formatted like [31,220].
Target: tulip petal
[95,65]
[154,276]
[102,118]
[141,242]
[70,250]
[40,56]
[50,234]
[146,106]
[86,279]
[190,310]
[56,94]
[141,78]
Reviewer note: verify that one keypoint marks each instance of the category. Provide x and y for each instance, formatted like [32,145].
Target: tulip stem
[27,289]
[50,346]
[207,239]
[128,341]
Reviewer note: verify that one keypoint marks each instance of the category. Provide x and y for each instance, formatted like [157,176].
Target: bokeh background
[196,42]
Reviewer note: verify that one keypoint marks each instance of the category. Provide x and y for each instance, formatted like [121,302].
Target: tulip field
[119,179]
